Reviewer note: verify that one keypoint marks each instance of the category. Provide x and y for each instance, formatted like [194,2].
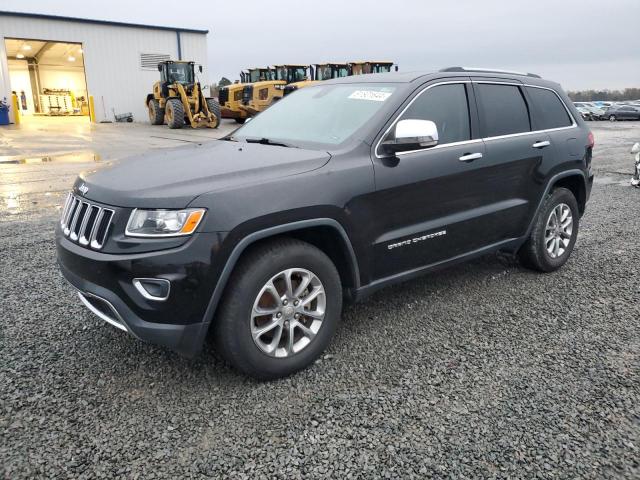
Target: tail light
[591,140]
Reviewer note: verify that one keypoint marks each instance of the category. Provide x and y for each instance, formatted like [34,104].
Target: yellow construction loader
[258,96]
[319,72]
[230,96]
[178,99]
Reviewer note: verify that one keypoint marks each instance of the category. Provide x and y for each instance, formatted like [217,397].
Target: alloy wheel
[288,312]
[558,230]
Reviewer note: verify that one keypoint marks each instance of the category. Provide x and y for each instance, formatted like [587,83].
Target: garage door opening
[49,80]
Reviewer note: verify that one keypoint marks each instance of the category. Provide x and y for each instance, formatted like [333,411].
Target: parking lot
[486,370]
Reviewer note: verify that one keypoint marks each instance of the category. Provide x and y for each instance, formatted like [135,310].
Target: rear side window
[447,107]
[548,109]
[503,110]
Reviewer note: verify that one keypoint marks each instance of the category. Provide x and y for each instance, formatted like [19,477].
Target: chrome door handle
[543,144]
[470,157]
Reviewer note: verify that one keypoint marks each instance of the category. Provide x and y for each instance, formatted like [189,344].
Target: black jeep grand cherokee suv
[337,190]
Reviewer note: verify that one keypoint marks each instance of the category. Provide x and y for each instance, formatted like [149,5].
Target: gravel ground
[485,370]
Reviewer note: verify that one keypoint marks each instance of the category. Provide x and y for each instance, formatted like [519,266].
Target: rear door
[549,113]
[514,152]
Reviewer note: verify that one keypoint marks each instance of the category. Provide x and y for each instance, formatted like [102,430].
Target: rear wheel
[612,118]
[214,107]
[156,114]
[240,120]
[281,308]
[554,232]
[174,112]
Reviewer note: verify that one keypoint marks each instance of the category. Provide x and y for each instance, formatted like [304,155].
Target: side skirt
[511,244]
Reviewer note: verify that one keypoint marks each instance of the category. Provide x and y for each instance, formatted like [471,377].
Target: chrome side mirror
[635,148]
[411,135]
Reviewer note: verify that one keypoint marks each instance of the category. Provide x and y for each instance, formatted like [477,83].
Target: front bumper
[105,284]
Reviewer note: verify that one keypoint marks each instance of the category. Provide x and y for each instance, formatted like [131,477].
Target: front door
[424,199]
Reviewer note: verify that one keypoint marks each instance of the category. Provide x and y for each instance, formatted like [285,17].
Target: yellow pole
[16,110]
[92,110]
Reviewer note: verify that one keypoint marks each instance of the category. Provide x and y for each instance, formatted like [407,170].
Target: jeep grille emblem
[83,189]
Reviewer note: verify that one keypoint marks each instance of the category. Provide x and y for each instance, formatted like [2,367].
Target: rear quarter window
[503,110]
[549,111]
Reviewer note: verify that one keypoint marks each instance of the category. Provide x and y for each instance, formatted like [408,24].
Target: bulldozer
[319,72]
[178,99]
[361,68]
[230,96]
[258,96]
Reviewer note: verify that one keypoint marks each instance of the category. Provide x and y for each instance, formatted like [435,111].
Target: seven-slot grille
[85,223]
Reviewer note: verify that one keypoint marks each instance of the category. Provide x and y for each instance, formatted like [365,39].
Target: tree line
[611,95]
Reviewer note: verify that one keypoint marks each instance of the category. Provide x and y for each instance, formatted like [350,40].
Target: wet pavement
[40,159]
[484,370]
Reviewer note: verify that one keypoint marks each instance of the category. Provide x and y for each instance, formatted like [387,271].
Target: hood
[171,178]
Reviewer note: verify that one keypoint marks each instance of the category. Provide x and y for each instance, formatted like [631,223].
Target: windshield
[180,73]
[291,74]
[380,68]
[258,75]
[323,72]
[322,114]
[327,72]
[340,72]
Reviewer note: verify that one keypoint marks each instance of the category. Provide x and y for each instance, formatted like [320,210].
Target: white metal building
[54,64]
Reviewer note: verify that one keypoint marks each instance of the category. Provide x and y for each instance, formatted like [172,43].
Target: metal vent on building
[150,61]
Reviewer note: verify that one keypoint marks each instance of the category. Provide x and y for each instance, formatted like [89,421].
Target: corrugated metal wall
[112,58]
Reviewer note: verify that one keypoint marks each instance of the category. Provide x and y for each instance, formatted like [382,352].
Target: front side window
[503,110]
[447,107]
[322,115]
[548,109]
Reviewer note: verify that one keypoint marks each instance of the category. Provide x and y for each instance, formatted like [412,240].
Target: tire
[236,323]
[214,107]
[174,112]
[240,120]
[534,253]
[156,114]
[612,118]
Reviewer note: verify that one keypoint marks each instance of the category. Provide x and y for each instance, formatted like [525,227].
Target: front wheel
[214,107]
[174,112]
[156,114]
[281,309]
[554,232]
[612,118]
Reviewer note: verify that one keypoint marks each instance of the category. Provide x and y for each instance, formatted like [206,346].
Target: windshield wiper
[266,141]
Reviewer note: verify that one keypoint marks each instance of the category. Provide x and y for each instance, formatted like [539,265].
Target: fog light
[156,289]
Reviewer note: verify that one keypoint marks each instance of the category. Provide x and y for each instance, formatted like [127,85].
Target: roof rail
[487,70]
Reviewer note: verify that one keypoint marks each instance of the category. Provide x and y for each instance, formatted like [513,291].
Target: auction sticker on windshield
[372,95]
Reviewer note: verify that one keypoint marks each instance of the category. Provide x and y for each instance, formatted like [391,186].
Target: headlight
[164,223]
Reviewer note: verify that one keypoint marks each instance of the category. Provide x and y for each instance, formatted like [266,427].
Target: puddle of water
[17,202]
[69,157]
[605,180]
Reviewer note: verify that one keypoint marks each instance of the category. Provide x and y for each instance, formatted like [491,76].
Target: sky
[581,44]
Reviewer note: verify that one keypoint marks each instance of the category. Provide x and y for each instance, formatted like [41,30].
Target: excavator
[178,98]
[230,97]
[258,96]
